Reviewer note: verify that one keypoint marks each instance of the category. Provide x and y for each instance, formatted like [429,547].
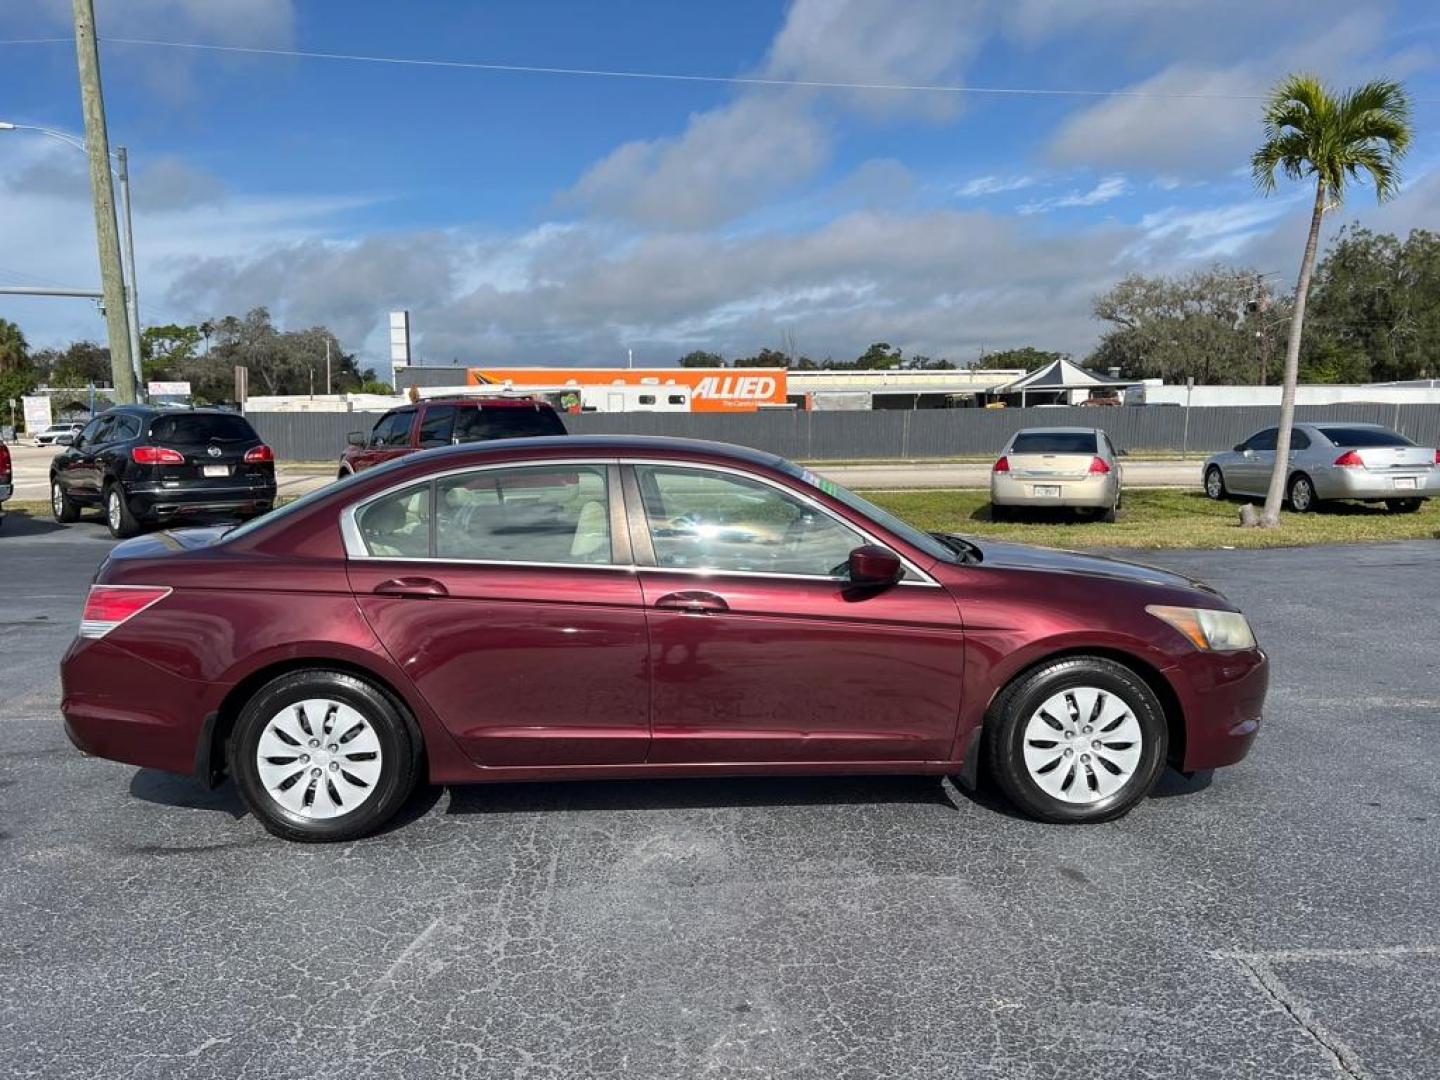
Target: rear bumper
[6,490]
[1096,492]
[120,707]
[157,500]
[1222,697]
[1341,483]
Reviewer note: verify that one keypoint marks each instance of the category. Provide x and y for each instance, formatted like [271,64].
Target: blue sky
[564,218]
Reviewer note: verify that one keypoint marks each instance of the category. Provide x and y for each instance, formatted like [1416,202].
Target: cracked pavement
[1279,922]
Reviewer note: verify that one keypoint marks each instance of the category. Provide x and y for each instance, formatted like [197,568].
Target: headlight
[1218,631]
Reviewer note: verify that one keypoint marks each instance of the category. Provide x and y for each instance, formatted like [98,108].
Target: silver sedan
[1061,466]
[1330,460]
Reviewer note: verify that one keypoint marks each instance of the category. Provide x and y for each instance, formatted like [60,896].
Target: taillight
[1350,460]
[4,460]
[1003,465]
[259,455]
[1437,457]
[1099,465]
[156,455]
[108,606]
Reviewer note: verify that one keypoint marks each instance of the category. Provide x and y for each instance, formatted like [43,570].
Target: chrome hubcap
[1082,745]
[1300,495]
[1212,485]
[57,499]
[319,758]
[112,510]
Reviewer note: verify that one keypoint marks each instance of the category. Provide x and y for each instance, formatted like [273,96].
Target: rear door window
[526,514]
[1364,437]
[202,428]
[126,427]
[438,426]
[506,422]
[1299,440]
[1054,442]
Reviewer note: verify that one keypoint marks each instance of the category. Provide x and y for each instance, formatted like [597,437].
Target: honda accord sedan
[551,609]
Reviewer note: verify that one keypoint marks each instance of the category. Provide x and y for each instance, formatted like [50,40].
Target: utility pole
[97,146]
[327,367]
[132,291]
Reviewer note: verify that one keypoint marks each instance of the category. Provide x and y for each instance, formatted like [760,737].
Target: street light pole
[107,239]
[132,292]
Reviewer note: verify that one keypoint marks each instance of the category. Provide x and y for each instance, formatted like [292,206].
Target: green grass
[1160,519]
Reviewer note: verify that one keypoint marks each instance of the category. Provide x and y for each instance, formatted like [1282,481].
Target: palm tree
[1311,133]
[13,350]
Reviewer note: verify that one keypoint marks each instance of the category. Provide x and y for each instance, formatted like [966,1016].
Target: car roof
[484,402]
[1059,431]
[603,446]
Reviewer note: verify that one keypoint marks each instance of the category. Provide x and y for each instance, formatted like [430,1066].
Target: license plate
[215,470]
[1046,491]
[1404,483]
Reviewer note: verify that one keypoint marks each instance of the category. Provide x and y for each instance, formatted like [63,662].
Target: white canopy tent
[1060,382]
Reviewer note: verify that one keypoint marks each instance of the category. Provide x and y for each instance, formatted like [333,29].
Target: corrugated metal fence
[892,434]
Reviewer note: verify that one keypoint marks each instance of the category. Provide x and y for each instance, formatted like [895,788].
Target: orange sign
[711,389]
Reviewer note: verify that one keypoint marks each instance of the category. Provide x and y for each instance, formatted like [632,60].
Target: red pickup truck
[446,422]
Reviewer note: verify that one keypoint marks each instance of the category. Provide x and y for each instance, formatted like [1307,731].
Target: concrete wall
[935,433]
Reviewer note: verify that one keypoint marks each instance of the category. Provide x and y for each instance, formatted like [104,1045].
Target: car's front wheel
[323,756]
[65,509]
[1077,740]
[1215,483]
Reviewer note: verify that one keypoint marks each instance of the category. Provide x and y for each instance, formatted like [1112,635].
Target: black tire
[1107,516]
[1215,484]
[118,518]
[1301,494]
[400,755]
[65,509]
[1403,506]
[1018,703]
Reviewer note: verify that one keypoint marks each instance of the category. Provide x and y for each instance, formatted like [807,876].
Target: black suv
[149,466]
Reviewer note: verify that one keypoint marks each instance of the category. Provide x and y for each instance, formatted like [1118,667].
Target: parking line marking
[1258,968]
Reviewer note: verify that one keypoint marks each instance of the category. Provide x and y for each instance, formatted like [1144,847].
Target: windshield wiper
[968,552]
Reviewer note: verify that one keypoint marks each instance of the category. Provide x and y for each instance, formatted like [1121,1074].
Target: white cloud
[223,22]
[1106,189]
[993,185]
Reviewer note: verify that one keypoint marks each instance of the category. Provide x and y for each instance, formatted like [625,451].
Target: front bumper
[1094,492]
[1341,483]
[161,501]
[1222,698]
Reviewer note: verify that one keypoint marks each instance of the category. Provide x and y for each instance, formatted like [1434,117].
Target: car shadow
[24,523]
[171,789]
[1025,515]
[571,796]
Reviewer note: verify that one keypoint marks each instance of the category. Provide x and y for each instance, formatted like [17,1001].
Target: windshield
[909,533]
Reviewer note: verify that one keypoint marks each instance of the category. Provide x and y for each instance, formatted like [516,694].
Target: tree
[881,356]
[1312,134]
[699,358]
[766,358]
[165,349]
[17,372]
[926,363]
[1201,325]
[1026,358]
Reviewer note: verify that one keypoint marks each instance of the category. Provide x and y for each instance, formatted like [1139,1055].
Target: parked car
[146,466]
[50,436]
[1070,467]
[1330,460]
[550,609]
[447,422]
[7,478]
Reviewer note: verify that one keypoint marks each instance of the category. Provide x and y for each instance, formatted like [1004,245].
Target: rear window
[1054,442]
[476,425]
[1359,436]
[202,428]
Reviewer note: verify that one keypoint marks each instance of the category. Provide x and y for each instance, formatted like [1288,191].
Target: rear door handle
[411,586]
[693,600]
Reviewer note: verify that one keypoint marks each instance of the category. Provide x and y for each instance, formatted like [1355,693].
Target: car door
[761,650]
[389,439]
[513,608]
[1253,464]
[83,471]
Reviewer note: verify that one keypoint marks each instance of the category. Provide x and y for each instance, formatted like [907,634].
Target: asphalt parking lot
[1279,922]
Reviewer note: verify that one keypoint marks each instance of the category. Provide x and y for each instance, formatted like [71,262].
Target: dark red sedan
[548,609]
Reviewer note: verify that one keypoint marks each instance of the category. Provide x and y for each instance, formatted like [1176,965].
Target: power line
[733,80]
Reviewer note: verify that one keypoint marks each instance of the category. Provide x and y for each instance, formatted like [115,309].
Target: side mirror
[356,438]
[875,565]
[64,440]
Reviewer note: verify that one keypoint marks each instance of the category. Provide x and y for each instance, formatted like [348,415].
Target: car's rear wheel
[323,756]
[65,509]
[1302,494]
[1403,506]
[118,517]
[1078,740]
[1215,483]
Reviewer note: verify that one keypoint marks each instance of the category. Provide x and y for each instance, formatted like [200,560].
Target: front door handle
[693,600]
[411,586]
